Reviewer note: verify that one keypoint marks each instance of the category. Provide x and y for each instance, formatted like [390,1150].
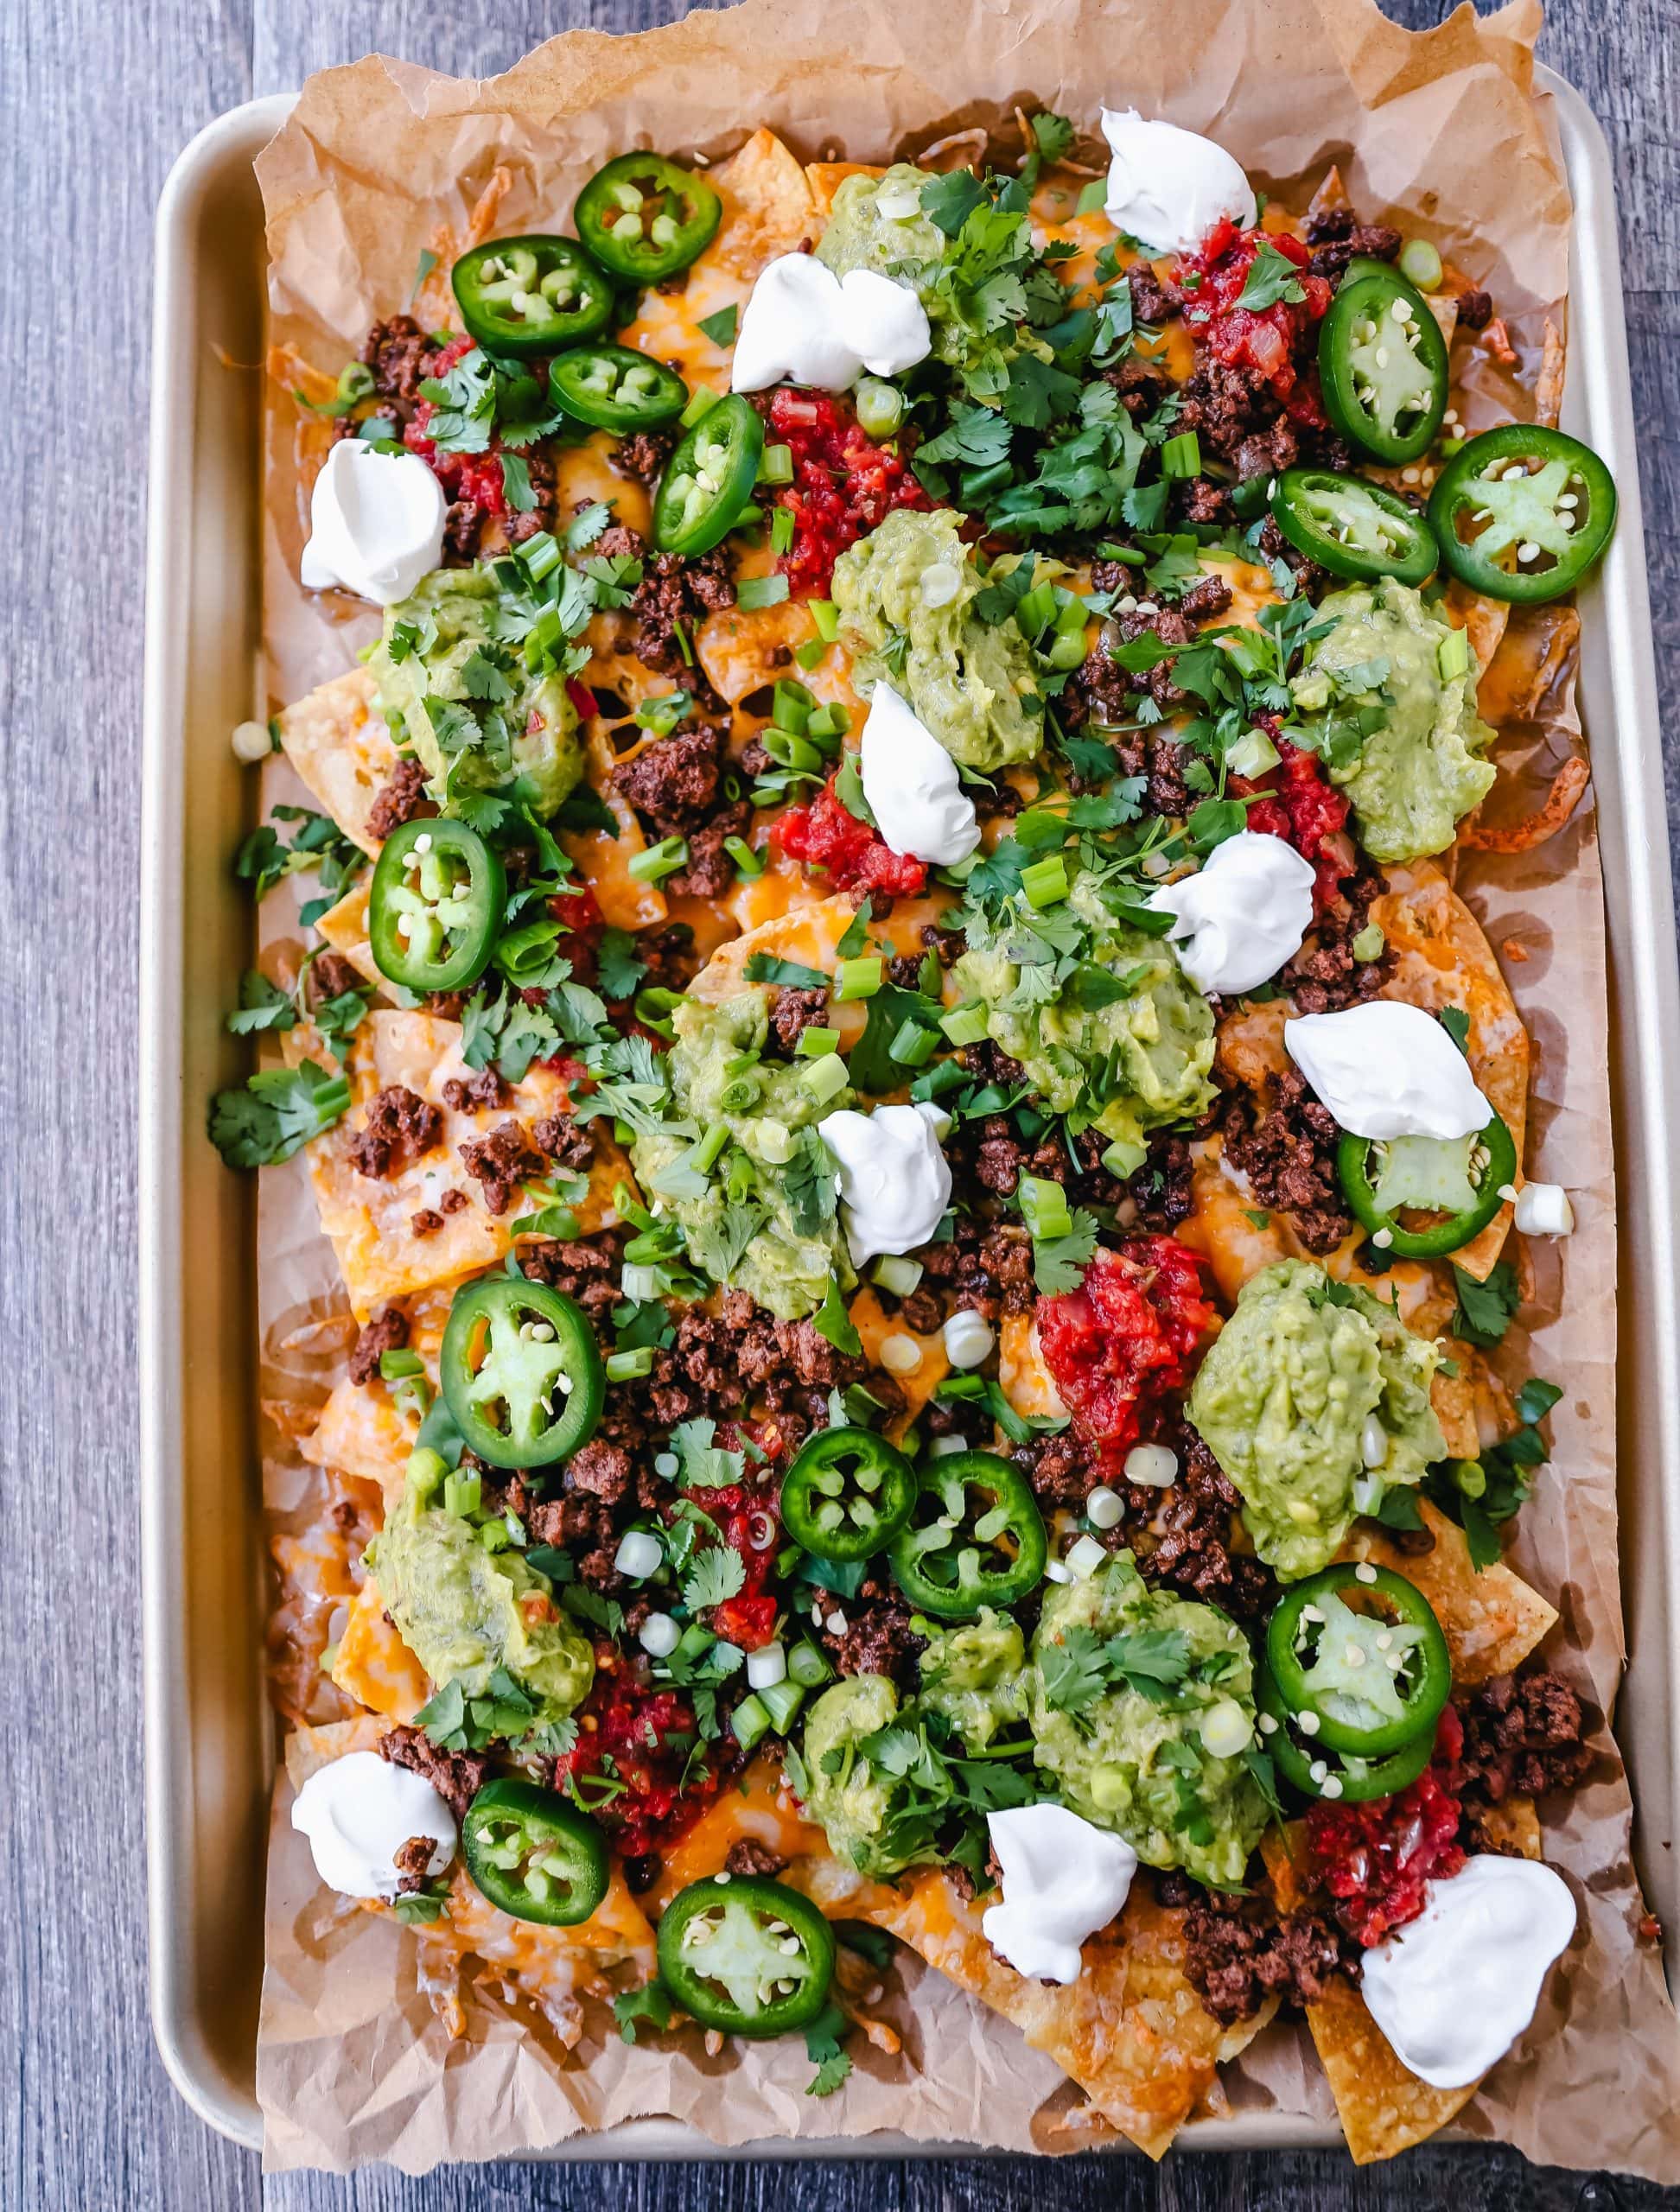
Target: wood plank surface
[96,99]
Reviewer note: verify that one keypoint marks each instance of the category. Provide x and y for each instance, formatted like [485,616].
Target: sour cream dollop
[1454,1988]
[1387,1070]
[1063,1879]
[1168,187]
[911,784]
[805,325]
[358,1814]
[1242,915]
[375,524]
[895,1180]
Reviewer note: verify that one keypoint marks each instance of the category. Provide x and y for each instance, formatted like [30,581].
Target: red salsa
[1123,1337]
[474,476]
[1378,1858]
[824,836]
[1301,808]
[634,1766]
[844,485]
[1264,341]
[746,1520]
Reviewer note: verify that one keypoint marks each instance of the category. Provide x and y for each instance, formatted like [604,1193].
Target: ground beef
[330,975]
[1371,241]
[793,1012]
[921,1311]
[567,1142]
[1154,299]
[457,1776]
[1324,977]
[502,1161]
[587,1270]
[387,1332]
[1287,1148]
[1141,386]
[1522,1738]
[463,526]
[401,797]
[396,352]
[412,1861]
[1241,1951]
[1273,546]
[746,1855]
[582,1523]
[984,1271]
[709,870]
[1475,309]
[1182,1536]
[1058,1467]
[542,513]
[484,1090]
[1207,597]
[673,782]
[669,956]
[1162,1189]
[1200,500]
[643,454]
[400,1126]
[875,1638]
[675,591]
[990,1063]
[603,1470]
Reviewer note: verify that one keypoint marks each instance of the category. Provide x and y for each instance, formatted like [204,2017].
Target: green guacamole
[755,1221]
[465,1612]
[975,1675]
[967,680]
[1420,768]
[861,234]
[1131,1066]
[852,1802]
[525,745]
[1282,1400]
[1136,1762]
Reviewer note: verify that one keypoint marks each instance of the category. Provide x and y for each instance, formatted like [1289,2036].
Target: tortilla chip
[603,861]
[825,179]
[343,927]
[1131,2030]
[336,739]
[768,206]
[874,1326]
[1442,959]
[372,1663]
[1492,1621]
[1534,647]
[1512,1826]
[1383,2109]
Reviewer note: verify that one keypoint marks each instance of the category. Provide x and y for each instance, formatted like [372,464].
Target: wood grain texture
[95,101]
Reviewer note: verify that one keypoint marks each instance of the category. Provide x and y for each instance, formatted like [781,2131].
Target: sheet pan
[210,1736]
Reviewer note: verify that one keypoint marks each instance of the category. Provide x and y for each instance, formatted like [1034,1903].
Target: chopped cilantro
[835,1323]
[1485,1309]
[276,1112]
[648,2007]
[823,2048]
[721,327]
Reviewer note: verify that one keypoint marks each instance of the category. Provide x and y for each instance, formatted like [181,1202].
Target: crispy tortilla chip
[1383,2109]
[337,740]
[1492,1621]
[825,179]
[344,928]
[1131,2030]
[1549,380]
[1513,1826]
[1568,787]
[737,649]
[768,206]
[1535,645]
[1442,959]
[625,902]
[373,1665]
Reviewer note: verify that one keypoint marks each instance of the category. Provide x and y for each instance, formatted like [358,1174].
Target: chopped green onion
[781,531]
[943,1075]
[781,1700]
[806,1666]
[746,859]
[1421,262]
[879,407]
[711,1145]
[896,1273]
[394,1365]
[1453,655]
[825,1078]
[965,1024]
[750,1722]
[462,1495]
[754,592]
[1044,1207]
[829,722]
[789,751]
[702,400]
[776,464]
[791,706]
[1181,456]
[859,979]
[914,1045]
[625,1366]
[1124,1158]
[810,653]
[1045,882]
[816,1044]
[659,861]
[826,615]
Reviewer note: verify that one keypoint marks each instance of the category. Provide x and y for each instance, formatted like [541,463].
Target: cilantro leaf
[721,327]
[617,968]
[1456,1022]
[852,939]
[1272,278]
[835,1323]
[705,1465]
[812,1185]
[276,1111]
[1053,135]
[262,1005]
[716,1575]
[1059,1263]
[823,2048]
[787,974]
[648,2007]
[587,1604]
[1485,1309]
[949,200]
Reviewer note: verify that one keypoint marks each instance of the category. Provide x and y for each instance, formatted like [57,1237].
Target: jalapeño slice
[644,218]
[615,388]
[1353,528]
[1382,363]
[435,904]
[1359,1647]
[846,1494]
[520,1371]
[1358,1781]
[975,1538]
[533,1855]
[1523,512]
[1427,1195]
[745,1955]
[708,482]
[533,295]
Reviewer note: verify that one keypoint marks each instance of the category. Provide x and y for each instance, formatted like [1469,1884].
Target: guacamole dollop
[437,665]
[765,1218]
[967,680]
[1133,1759]
[1124,1065]
[845,1795]
[465,1612]
[1299,1389]
[877,222]
[975,1674]
[1419,768]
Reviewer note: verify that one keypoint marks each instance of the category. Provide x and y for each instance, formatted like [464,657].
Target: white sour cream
[1168,187]
[1454,1988]
[1063,1879]
[911,784]
[375,524]
[1543,1209]
[805,325]
[895,1180]
[359,1812]
[1242,915]
[1386,1070]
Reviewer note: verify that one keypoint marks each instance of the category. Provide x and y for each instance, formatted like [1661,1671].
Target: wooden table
[96,99]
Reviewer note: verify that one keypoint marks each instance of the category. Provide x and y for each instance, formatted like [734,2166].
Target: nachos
[927,1166]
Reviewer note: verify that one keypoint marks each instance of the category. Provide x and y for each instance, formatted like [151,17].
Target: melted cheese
[874,1326]
[373,1665]
[760,1809]
[1026,1382]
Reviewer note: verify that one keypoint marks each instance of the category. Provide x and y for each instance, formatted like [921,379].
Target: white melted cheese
[895,1180]
[804,325]
[1387,1070]
[1242,915]
[1168,187]
[358,1814]
[1063,1879]
[911,784]
[1454,1988]
[375,524]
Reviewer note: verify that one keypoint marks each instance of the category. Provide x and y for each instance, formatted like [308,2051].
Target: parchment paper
[1441,126]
